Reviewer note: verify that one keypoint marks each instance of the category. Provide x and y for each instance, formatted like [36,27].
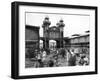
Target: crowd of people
[59,57]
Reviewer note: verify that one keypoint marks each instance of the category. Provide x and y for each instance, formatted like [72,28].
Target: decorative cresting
[45,25]
[61,26]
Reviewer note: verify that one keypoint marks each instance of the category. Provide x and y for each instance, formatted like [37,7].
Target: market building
[32,38]
[79,43]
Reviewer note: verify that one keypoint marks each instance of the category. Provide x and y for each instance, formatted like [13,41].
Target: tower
[45,25]
[61,25]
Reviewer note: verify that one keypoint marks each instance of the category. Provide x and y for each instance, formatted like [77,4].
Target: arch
[52,44]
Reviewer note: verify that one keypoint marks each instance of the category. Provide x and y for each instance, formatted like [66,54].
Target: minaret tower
[61,26]
[45,25]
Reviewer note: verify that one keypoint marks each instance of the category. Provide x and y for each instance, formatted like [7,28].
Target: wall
[31,33]
[80,39]
[5,40]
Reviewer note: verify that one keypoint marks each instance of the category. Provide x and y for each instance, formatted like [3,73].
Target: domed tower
[45,25]
[61,26]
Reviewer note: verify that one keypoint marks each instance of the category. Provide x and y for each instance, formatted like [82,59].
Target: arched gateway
[52,33]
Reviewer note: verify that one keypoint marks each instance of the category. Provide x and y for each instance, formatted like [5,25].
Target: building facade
[31,38]
[80,44]
[52,33]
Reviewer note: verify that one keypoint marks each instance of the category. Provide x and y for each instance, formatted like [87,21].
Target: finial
[47,17]
[61,20]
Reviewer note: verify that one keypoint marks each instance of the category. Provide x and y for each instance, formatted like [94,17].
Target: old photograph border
[15,39]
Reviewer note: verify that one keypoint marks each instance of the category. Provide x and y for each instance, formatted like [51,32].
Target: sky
[74,24]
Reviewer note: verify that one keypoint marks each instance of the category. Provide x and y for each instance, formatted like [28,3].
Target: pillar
[58,44]
[46,44]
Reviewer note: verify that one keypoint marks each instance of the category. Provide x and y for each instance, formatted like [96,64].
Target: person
[50,63]
[39,60]
[81,62]
[72,59]
[78,59]
[68,54]
[44,56]
[86,60]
